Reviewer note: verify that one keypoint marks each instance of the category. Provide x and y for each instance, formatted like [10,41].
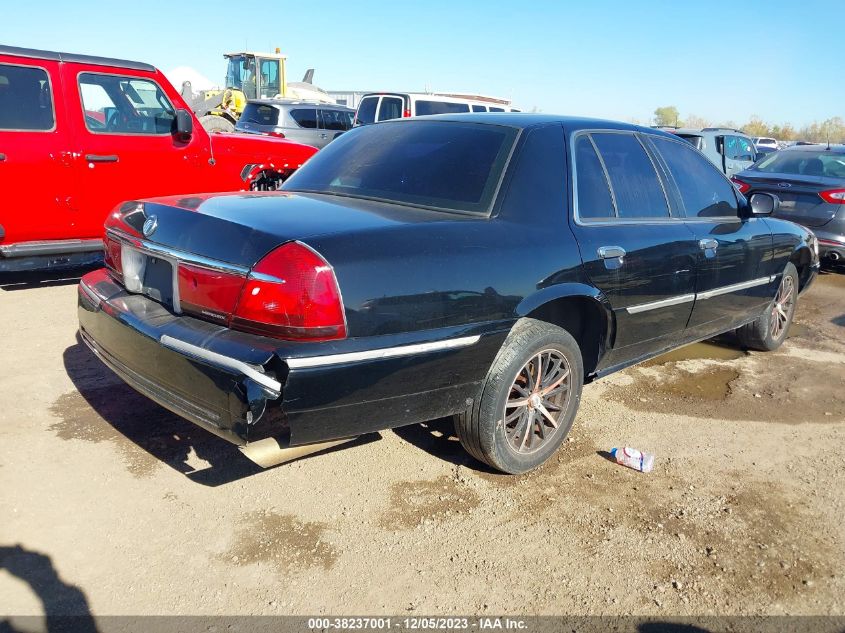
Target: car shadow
[65,606]
[162,434]
[439,439]
[43,279]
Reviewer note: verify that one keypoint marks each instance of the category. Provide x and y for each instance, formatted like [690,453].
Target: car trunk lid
[799,196]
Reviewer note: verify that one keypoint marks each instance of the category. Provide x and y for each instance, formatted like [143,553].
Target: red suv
[80,134]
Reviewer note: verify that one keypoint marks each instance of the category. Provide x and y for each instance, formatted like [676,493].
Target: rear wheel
[214,123]
[769,331]
[528,401]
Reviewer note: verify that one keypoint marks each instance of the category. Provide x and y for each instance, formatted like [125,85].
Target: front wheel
[770,330]
[528,401]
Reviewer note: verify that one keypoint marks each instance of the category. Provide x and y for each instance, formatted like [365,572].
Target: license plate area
[150,275]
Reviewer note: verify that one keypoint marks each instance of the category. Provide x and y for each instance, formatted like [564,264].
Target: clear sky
[722,60]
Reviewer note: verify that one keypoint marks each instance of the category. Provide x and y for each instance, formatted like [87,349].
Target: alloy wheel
[537,399]
[782,308]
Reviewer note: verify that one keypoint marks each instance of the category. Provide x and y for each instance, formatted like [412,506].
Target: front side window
[745,150]
[269,69]
[367,110]
[479,108]
[732,147]
[440,107]
[704,191]
[442,165]
[633,180]
[26,102]
[390,108]
[124,105]
[305,117]
[594,199]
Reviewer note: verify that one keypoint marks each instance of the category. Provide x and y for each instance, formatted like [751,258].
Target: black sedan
[481,266]
[809,180]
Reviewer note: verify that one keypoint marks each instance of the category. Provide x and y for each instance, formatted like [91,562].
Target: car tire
[512,437]
[769,331]
[215,123]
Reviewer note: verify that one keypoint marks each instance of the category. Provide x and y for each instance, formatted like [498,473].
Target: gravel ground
[112,505]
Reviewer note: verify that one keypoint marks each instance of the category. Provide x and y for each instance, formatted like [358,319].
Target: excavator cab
[257,76]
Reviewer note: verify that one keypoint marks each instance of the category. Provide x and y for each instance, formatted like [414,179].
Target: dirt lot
[113,505]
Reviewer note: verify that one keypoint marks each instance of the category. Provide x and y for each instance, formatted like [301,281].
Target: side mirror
[183,125]
[763,204]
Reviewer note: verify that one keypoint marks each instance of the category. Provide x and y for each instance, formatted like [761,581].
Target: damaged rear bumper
[226,382]
[267,395]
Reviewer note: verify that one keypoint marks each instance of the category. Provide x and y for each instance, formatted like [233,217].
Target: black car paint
[411,275]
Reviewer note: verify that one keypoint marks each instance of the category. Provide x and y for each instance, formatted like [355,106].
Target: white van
[381,106]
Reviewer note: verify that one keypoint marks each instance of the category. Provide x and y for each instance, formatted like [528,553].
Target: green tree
[756,127]
[667,115]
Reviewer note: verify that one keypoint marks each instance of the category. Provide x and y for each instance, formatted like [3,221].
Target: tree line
[832,129]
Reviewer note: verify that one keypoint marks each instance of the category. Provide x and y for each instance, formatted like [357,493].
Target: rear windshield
[442,165]
[260,113]
[440,107]
[696,141]
[804,163]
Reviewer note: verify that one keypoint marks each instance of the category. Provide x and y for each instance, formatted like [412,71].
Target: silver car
[312,123]
[730,150]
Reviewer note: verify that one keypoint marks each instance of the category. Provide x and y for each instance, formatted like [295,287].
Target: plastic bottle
[632,458]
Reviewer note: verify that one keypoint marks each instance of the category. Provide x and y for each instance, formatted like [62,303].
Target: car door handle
[611,252]
[708,244]
[101,158]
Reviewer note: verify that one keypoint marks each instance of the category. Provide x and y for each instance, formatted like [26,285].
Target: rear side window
[124,105]
[594,200]
[479,108]
[704,190]
[633,180]
[367,110]
[261,114]
[335,120]
[305,117]
[440,107]
[492,109]
[26,102]
[390,108]
[696,141]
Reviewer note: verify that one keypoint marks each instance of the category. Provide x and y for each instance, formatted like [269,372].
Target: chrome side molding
[378,354]
[708,294]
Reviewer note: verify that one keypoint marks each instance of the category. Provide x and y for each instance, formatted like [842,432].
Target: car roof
[819,147]
[703,130]
[530,119]
[34,53]
[300,102]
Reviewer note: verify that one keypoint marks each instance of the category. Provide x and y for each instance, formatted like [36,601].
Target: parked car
[311,123]
[764,151]
[559,250]
[761,142]
[80,134]
[730,150]
[384,106]
[809,180]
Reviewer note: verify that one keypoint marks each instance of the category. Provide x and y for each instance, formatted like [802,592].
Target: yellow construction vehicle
[249,75]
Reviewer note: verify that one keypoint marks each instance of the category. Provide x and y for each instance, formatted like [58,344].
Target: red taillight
[292,293]
[741,185]
[209,293]
[833,196]
[276,134]
[111,255]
